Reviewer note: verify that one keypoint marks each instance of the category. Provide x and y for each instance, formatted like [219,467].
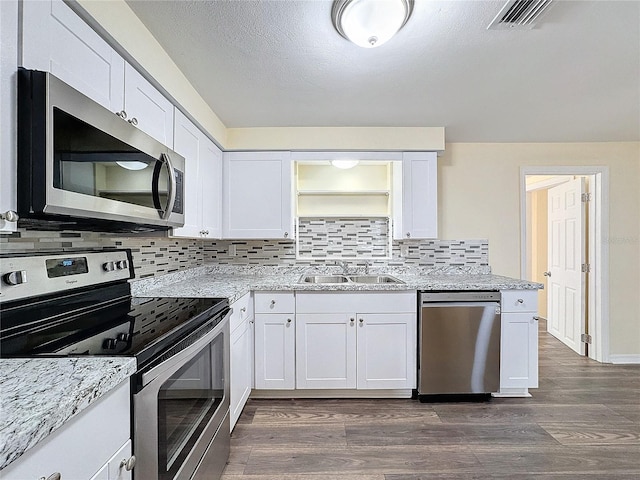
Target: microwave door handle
[172,185]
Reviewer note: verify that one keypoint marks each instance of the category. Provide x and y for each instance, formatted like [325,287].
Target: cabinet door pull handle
[128,463]
[536,318]
[288,320]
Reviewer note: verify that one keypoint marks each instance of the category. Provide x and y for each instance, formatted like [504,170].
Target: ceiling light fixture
[345,164]
[370,23]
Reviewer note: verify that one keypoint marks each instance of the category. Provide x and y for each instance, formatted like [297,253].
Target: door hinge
[585,338]
[586,268]
[586,197]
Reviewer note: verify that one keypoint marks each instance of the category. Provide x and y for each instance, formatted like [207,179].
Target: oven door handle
[185,355]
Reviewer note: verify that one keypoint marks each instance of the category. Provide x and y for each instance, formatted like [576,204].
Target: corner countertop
[233,282]
[37,396]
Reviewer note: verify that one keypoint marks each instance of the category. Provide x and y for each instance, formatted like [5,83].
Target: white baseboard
[338,393]
[630,359]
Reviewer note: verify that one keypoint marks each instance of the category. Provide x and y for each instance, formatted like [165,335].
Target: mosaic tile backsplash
[347,238]
[160,255]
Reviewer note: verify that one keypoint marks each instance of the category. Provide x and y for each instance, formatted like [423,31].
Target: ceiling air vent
[521,14]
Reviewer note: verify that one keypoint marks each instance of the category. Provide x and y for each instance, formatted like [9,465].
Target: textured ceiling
[280,63]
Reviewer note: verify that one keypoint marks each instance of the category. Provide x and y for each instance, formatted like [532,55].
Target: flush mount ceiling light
[345,164]
[370,23]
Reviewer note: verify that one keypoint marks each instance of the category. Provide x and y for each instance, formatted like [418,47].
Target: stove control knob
[108,266]
[15,278]
[109,344]
[123,337]
[122,264]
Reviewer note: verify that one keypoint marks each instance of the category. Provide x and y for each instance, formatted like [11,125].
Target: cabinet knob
[361,320]
[128,463]
[288,320]
[9,216]
[536,318]
[546,274]
[520,300]
[408,234]
[286,234]
[133,121]
[273,302]
[243,309]
[122,114]
[352,320]
[206,232]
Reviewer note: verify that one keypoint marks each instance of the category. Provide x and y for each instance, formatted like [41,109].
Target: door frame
[598,288]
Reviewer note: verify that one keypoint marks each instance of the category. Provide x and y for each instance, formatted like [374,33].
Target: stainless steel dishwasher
[458,345]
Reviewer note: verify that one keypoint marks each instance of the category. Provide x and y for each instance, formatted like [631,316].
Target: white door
[275,351]
[147,108]
[325,350]
[566,222]
[257,198]
[386,350]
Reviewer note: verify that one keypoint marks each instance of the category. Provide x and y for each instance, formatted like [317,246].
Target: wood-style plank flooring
[583,422]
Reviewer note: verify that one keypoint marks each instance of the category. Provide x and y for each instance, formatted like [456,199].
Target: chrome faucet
[344,265]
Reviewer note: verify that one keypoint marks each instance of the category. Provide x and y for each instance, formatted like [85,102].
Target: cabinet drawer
[275,302]
[520,301]
[242,310]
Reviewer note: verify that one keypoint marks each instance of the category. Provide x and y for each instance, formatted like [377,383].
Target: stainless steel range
[79,303]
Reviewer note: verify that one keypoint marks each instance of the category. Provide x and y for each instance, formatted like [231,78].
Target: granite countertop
[37,396]
[234,282]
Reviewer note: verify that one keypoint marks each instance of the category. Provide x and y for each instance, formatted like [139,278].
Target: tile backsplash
[159,255]
[345,238]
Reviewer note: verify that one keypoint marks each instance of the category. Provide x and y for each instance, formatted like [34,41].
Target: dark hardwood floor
[583,422]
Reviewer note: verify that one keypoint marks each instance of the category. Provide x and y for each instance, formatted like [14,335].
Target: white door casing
[566,305]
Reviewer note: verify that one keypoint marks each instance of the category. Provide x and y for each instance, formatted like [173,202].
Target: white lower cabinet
[519,342]
[241,356]
[351,350]
[117,468]
[91,445]
[275,340]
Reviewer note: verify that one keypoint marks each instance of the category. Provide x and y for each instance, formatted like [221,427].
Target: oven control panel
[35,275]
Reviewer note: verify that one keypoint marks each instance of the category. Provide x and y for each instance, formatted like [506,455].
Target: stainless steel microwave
[80,166]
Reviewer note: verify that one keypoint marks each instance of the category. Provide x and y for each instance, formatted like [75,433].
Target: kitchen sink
[370,279]
[374,279]
[323,279]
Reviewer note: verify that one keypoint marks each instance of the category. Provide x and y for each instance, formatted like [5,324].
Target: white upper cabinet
[147,108]
[257,195]
[56,40]
[419,213]
[203,181]
[8,112]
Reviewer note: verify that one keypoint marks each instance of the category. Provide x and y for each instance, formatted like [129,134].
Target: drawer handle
[273,302]
[128,463]
[520,300]
[288,320]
